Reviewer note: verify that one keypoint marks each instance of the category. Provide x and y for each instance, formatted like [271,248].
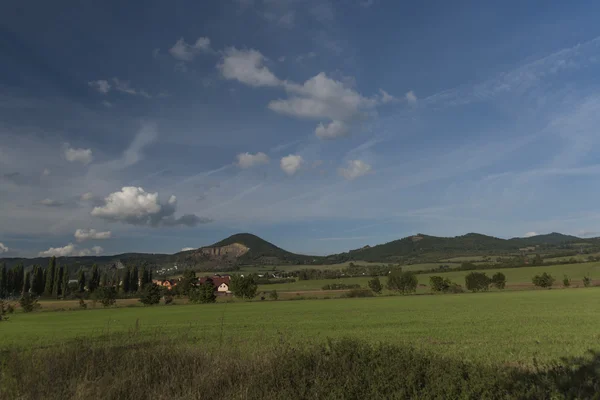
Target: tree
[57,290]
[544,281]
[439,284]
[37,281]
[150,295]
[28,302]
[104,279]
[134,283]
[587,281]
[405,282]
[81,280]
[65,282]
[273,295]
[204,293]
[50,272]
[499,280]
[94,281]
[127,280]
[375,285]
[107,295]
[27,282]
[566,281]
[244,287]
[476,281]
[3,291]
[537,260]
[188,280]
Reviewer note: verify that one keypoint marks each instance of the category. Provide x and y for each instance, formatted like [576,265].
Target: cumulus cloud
[125,87]
[388,98]
[87,196]
[248,160]
[411,98]
[3,248]
[355,169]
[188,249]
[101,85]
[291,164]
[65,251]
[187,52]
[530,234]
[83,156]
[133,205]
[81,235]
[332,130]
[96,251]
[246,66]
[51,203]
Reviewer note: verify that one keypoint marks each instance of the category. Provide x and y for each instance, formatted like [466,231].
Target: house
[167,283]
[221,283]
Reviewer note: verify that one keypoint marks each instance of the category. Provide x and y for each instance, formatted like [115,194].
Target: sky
[319,125]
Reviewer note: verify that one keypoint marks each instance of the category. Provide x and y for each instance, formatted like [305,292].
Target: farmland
[476,327]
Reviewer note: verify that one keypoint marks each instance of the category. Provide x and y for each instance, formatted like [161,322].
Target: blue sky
[321,126]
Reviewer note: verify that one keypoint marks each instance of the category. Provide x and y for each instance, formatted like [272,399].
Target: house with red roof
[221,283]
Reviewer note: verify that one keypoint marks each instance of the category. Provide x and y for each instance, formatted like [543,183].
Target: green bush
[439,284]
[244,287]
[273,295]
[477,281]
[150,295]
[28,302]
[587,281]
[375,285]
[404,282]
[340,286]
[566,281]
[204,293]
[544,280]
[499,280]
[106,295]
[359,293]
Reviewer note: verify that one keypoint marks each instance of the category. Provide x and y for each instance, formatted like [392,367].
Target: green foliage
[537,260]
[340,286]
[375,285]
[499,280]
[544,280]
[50,272]
[4,310]
[587,281]
[150,295]
[167,299]
[439,284]
[82,304]
[244,287]
[134,282]
[359,293]
[27,282]
[273,295]
[65,282]
[81,280]
[37,281]
[3,283]
[107,295]
[94,281]
[204,293]
[28,302]
[477,281]
[404,282]
[566,281]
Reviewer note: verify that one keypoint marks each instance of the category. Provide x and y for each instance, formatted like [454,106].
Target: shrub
[273,295]
[150,295]
[82,304]
[455,288]
[499,280]
[587,281]
[439,284]
[375,285]
[340,286]
[405,282]
[477,281]
[106,295]
[244,287]
[168,299]
[566,281]
[28,302]
[544,280]
[3,311]
[204,293]
[359,293]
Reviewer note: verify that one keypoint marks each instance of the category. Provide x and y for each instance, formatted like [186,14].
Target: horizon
[281,118]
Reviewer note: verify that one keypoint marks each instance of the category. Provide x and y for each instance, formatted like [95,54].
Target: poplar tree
[134,285]
[94,279]
[104,279]
[27,283]
[81,280]
[127,280]
[58,276]
[65,282]
[50,272]
[3,283]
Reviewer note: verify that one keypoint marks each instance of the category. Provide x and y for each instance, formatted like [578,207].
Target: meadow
[503,327]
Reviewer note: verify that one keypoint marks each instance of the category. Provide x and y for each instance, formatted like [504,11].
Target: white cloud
[248,160]
[87,196]
[411,98]
[3,248]
[530,234]
[83,156]
[355,169]
[51,203]
[388,98]
[66,251]
[332,130]
[101,85]
[291,164]
[133,205]
[247,67]
[124,86]
[46,172]
[188,249]
[187,52]
[96,250]
[81,235]
[107,104]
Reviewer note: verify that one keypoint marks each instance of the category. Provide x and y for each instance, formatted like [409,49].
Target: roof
[217,280]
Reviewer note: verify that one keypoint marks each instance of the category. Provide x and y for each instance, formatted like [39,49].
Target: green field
[514,277]
[500,326]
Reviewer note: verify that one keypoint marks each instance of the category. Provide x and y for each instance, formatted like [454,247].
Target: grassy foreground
[498,327]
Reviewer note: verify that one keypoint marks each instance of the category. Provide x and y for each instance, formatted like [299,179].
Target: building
[221,283]
[167,283]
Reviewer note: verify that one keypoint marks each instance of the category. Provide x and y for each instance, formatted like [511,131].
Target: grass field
[503,326]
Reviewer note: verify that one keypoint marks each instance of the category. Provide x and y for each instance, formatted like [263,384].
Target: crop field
[507,327]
